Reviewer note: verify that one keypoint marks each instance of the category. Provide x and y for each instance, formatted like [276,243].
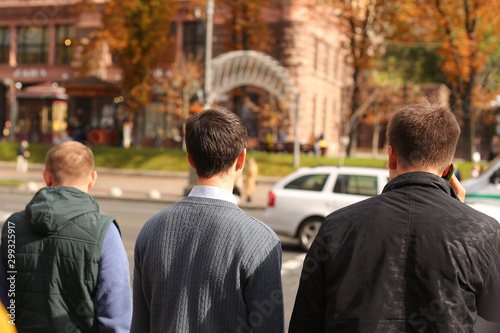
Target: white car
[299,202]
[486,208]
[486,187]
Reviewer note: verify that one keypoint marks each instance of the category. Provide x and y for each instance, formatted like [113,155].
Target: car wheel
[308,231]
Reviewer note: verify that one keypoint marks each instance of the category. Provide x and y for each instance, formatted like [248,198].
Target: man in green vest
[65,265]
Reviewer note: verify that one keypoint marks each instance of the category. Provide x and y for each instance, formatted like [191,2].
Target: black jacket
[412,259]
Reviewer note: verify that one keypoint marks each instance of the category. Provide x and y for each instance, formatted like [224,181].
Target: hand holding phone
[453,180]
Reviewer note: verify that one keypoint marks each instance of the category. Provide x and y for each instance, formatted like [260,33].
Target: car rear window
[313,182]
[356,184]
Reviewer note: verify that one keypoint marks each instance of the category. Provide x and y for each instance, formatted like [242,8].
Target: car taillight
[272,196]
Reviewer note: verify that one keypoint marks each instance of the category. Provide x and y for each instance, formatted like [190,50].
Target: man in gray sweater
[204,265]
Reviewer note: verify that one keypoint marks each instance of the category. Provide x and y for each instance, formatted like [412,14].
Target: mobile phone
[450,173]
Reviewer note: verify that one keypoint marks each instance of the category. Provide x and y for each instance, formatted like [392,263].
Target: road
[132,215]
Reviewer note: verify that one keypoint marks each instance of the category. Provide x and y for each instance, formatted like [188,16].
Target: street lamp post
[208,79]
[296,144]
[208,53]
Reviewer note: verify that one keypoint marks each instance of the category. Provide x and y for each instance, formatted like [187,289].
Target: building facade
[40,67]
[39,53]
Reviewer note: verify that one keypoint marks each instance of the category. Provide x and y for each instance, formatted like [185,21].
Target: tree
[248,29]
[180,85]
[363,23]
[245,22]
[408,63]
[137,31]
[466,32]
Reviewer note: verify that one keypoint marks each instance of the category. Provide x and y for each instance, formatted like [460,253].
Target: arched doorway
[253,68]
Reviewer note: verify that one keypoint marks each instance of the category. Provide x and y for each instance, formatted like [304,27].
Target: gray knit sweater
[204,265]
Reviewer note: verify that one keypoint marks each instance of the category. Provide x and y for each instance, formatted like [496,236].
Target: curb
[20,191]
[135,172]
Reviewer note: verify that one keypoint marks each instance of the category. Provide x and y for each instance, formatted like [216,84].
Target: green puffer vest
[58,240]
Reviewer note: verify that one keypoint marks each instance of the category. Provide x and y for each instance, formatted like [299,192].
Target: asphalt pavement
[135,185]
[125,184]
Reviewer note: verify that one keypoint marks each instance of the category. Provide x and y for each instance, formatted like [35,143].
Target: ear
[240,162]
[93,178]
[49,181]
[393,158]
[191,162]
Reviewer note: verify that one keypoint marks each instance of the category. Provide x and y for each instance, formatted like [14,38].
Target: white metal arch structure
[252,68]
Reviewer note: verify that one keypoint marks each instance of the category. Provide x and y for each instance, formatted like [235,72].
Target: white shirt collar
[213,193]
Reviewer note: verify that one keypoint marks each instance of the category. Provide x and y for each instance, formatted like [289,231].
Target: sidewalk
[137,185]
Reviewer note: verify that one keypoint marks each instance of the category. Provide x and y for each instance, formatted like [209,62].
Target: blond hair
[69,162]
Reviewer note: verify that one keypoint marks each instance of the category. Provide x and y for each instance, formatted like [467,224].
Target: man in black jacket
[412,259]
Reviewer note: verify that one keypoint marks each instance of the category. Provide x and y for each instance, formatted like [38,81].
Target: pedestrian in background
[412,259]
[323,146]
[251,180]
[494,147]
[71,268]
[238,190]
[203,264]
[22,157]
[476,171]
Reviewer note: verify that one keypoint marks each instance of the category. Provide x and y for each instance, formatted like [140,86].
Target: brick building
[39,67]
[39,43]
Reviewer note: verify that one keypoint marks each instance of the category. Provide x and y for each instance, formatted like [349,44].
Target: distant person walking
[70,267]
[203,264]
[251,180]
[323,146]
[494,147]
[476,171]
[22,157]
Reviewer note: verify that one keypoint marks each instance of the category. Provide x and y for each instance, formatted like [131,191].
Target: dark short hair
[424,135]
[214,139]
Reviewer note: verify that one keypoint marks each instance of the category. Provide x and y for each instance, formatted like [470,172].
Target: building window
[315,60]
[325,114]
[314,114]
[193,42]
[336,64]
[33,45]
[4,44]
[327,58]
[171,47]
[65,37]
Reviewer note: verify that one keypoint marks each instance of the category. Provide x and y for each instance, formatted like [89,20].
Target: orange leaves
[466,31]
[245,21]
[136,31]
[462,27]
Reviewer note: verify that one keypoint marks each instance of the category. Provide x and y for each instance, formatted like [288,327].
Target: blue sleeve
[113,298]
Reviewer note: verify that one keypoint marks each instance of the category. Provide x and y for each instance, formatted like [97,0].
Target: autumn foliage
[137,31]
[466,32]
